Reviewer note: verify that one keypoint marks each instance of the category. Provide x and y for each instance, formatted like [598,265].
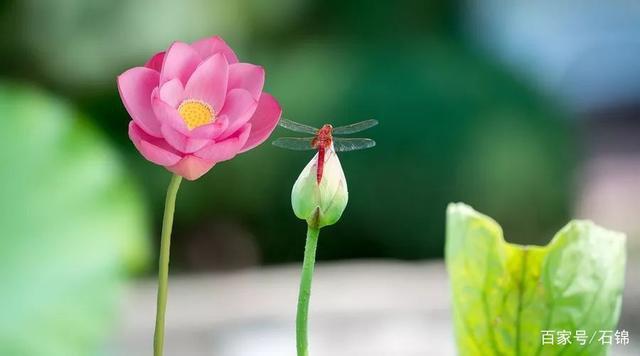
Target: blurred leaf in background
[83,44]
[506,295]
[72,227]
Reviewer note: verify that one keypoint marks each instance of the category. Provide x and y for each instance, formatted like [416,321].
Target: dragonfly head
[323,137]
[325,130]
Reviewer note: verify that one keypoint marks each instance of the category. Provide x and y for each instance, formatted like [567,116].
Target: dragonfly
[322,139]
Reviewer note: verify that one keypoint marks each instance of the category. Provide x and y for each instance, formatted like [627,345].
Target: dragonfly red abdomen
[320,170]
[322,142]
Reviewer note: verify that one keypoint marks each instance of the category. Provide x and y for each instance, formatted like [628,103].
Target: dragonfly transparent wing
[353,128]
[297,127]
[294,143]
[352,144]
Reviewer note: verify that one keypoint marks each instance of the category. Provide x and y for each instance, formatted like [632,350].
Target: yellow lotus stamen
[196,113]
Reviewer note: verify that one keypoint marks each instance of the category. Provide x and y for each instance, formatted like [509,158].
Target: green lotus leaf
[507,297]
[72,227]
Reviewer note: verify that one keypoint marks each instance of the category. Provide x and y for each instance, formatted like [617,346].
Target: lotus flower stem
[302,341]
[163,265]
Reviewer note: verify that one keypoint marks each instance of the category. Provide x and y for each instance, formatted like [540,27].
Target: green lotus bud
[320,196]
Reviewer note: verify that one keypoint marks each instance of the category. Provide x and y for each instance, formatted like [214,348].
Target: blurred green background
[461,119]
[454,125]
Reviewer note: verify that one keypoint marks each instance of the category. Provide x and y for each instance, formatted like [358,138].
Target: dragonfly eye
[326,127]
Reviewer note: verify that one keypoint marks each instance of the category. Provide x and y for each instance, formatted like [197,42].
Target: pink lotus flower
[195,105]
